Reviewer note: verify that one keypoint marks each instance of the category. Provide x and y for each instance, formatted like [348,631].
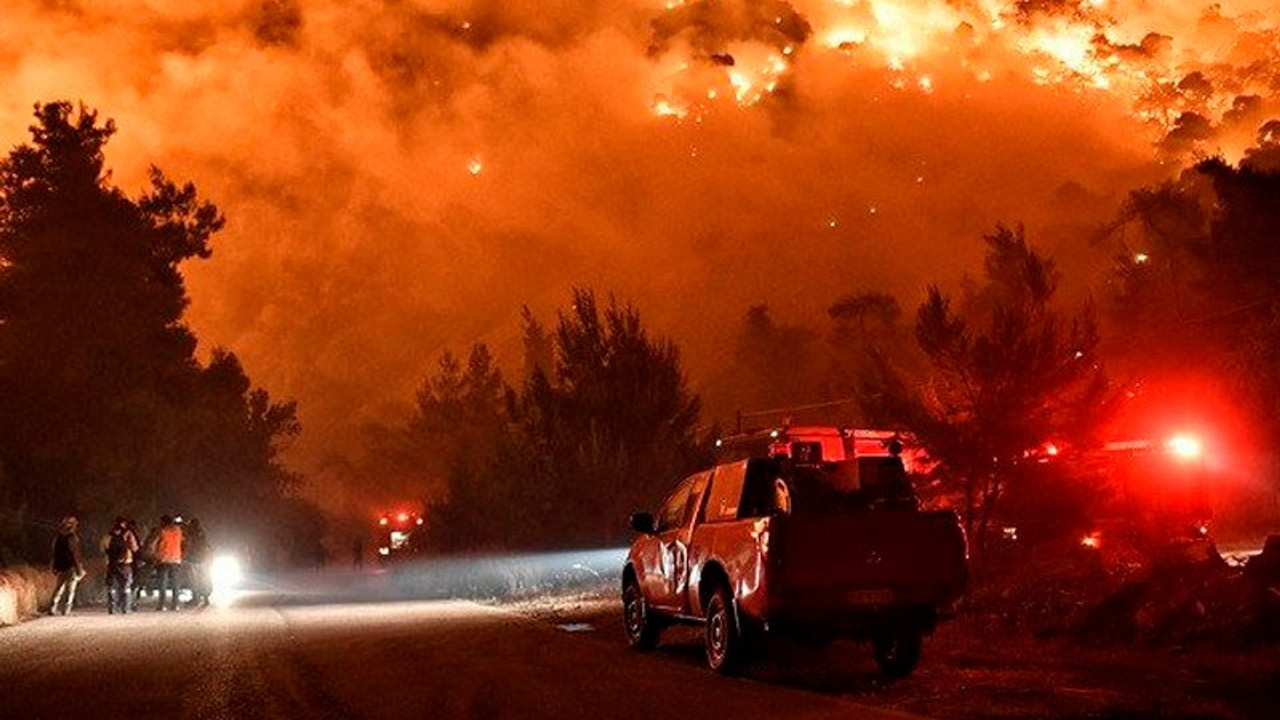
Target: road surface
[287,656]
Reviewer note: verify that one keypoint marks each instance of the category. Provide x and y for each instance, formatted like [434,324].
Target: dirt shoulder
[969,673]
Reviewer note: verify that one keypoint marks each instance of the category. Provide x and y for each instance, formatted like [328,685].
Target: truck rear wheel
[726,650]
[642,628]
[897,651]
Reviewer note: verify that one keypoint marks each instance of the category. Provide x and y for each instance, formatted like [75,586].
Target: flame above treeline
[1194,77]
[400,176]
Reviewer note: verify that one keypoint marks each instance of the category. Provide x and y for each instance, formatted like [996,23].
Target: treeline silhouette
[599,424]
[104,407]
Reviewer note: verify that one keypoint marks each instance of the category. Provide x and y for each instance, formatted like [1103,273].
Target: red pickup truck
[768,545]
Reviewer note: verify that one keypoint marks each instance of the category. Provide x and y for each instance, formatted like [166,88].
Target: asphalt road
[287,656]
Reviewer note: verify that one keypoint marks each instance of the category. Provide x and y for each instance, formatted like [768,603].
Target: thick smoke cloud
[400,176]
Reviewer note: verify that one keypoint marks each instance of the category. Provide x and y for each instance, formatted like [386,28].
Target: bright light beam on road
[225,576]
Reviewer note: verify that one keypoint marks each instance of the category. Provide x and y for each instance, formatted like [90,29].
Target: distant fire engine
[398,535]
[1163,488]
[1153,491]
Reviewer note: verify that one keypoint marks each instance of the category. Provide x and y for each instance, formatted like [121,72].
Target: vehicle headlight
[225,573]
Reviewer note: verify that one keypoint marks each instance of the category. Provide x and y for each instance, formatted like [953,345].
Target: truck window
[672,512]
[878,480]
[760,490]
[806,453]
[884,478]
[678,508]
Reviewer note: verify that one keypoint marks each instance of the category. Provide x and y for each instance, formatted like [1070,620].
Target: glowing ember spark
[665,108]
[842,37]
[475,165]
[741,85]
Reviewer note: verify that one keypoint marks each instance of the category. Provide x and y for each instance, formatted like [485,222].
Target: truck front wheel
[726,651]
[642,628]
[897,651]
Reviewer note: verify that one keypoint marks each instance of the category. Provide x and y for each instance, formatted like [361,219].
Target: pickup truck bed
[833,564]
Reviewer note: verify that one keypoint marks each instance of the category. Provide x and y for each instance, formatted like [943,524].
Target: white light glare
[1184,446]
[225,573]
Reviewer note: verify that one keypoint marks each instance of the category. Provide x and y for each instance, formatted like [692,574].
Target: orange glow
[404,176]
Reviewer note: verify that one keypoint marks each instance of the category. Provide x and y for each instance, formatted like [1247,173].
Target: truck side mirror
[642,522]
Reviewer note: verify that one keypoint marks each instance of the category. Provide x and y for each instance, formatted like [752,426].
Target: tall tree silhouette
[1007,373]
[102,400]
[615,418]
[601,427]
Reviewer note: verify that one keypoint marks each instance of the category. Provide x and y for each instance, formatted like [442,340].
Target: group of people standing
[172,554]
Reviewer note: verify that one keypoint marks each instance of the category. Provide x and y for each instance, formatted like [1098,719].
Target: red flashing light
[403,517]
[1093,541]
[1184,446]
[382,520]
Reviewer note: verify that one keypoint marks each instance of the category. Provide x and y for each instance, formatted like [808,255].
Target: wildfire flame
[1170,74]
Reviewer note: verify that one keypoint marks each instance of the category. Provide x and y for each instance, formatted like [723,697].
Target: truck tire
[897,651]
[641,627]
[726,649]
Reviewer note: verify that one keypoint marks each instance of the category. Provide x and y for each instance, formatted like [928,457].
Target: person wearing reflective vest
[168,558]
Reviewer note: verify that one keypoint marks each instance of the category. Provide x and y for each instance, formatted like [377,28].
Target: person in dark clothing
[144,566]
[67,565]
[195,554]
[120,546]
[357,554]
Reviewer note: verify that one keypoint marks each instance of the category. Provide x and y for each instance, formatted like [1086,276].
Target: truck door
[674,529]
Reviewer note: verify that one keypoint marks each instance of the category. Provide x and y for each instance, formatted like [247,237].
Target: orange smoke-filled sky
[400,176]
